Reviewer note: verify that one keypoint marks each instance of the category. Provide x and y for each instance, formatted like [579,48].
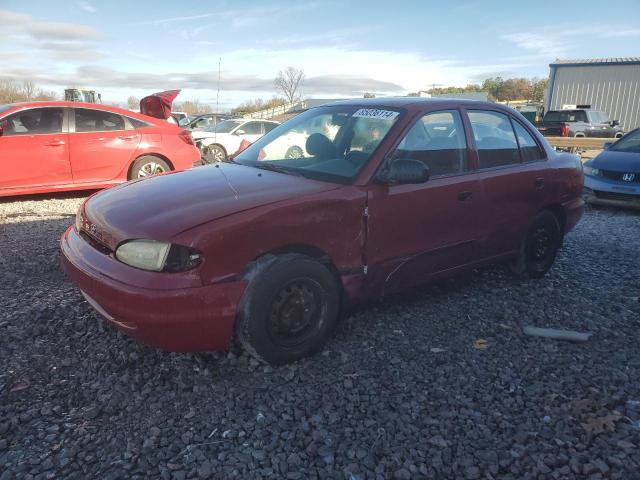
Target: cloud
[557,41]
[19,24]
[348,85]
[87,7]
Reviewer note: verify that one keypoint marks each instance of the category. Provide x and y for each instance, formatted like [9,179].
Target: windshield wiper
[275,168]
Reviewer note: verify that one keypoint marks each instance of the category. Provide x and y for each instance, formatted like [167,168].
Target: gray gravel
[400,392]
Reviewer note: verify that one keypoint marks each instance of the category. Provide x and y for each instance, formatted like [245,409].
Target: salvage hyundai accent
[273,248]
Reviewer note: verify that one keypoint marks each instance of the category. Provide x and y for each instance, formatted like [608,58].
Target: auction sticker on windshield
[375,113]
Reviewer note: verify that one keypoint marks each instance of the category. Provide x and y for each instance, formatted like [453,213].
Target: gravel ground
[404,390]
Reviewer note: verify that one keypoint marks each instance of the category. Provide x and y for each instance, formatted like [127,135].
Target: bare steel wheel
[148,166]
[295,311]
[289,308]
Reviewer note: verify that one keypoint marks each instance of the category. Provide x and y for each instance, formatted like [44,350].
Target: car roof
[409,102]
[95,106]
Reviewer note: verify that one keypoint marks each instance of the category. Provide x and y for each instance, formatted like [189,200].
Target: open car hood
[158,105]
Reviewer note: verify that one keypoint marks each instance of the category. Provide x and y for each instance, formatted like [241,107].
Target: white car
[227,137]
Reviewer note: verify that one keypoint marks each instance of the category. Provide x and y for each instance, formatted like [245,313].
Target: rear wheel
[214,153]
[540,247]
[288,310]
[147,166]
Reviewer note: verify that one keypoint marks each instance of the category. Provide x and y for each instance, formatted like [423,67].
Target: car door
[102,145]
[513,172]
[34,149]
[601,126]
[250,131]
[418,230]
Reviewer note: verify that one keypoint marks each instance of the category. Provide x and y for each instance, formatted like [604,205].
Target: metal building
[608,84]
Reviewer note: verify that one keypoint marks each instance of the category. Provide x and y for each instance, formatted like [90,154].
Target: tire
[294,152]
[148,165]
[289,309]
[213,154]
[539,248]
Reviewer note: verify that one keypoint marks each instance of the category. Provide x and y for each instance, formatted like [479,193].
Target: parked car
[225,139]
[57,146]
[579,123]
[179,117]
[613,177]
[206,121]
[274,248]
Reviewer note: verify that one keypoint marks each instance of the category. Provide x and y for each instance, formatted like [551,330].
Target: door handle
[54,143]
[127,137]
[464,196]
[539,183]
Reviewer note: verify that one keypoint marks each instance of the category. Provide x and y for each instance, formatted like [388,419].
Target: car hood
[617,161]
[161,207]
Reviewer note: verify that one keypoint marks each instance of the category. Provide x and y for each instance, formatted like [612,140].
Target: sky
[345,47]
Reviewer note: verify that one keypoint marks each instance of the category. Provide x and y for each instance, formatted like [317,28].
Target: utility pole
[218,92]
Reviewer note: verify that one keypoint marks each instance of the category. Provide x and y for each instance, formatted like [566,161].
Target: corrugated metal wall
[614,89]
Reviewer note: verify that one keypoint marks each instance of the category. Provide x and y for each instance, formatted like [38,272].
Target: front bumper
[602,191]
[199,318]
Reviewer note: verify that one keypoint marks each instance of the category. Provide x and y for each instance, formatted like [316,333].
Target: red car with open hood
[273,248]
[57,146]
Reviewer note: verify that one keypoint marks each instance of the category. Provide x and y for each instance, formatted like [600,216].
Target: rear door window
[252,128]
[437,140]
[88,120]
[268,126]
[529,149]
[35,121]
[495,140]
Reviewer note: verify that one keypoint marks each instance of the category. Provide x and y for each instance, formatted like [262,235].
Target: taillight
[564,132]
[185,135]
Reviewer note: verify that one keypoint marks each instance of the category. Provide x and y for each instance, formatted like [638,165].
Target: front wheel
[540,247]
[288,310]
[213,154]
[147,166]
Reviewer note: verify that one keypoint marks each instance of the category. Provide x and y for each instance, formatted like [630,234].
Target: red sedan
[401,191]
[57,146]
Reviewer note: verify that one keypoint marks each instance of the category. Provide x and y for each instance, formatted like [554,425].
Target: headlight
[594,172]
[158,256]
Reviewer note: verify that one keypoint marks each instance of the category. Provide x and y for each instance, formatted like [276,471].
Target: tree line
[499,89]
[12,91]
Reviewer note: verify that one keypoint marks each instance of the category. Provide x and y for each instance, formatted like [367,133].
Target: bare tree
[10,91]
[133,103]
[288,81]
[28,89]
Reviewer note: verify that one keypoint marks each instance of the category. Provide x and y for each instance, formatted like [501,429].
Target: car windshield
[5,107]
[226,126]
[599,117]
[326,143]
[565,116]
[629,143]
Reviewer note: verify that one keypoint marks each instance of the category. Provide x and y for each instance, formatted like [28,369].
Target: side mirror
[1,130]
[405,171]
[615,123]
[607,145]
[239,132]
